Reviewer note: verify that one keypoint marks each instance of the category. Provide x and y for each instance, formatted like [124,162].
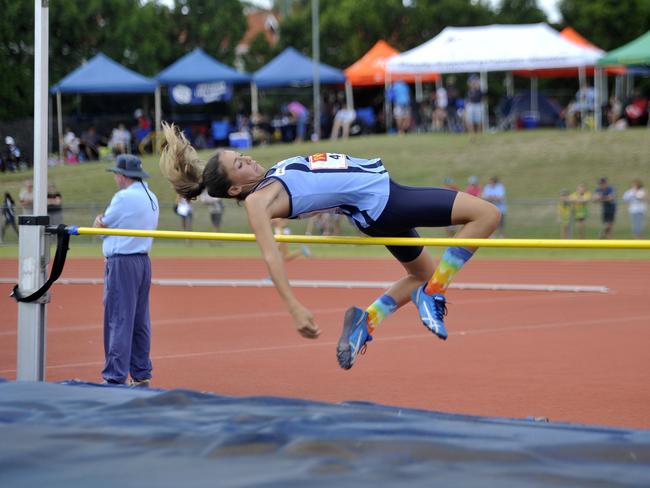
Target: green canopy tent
[636,52]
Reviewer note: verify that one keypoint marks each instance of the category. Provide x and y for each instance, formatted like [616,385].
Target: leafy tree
[214,26]
[520,12]
[607,23]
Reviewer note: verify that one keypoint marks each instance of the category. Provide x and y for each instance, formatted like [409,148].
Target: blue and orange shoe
[432,309]
[354,337]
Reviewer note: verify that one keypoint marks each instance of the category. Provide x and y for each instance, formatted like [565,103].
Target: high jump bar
[369,241]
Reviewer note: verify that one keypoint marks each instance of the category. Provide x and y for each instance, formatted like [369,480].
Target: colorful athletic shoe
[432,310]
[353,338]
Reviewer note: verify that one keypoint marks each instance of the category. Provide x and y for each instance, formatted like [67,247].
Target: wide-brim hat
[129,165]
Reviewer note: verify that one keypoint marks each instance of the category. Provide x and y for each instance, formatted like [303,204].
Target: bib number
[327,161]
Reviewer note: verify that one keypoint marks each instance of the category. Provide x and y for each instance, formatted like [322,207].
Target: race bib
[327,161]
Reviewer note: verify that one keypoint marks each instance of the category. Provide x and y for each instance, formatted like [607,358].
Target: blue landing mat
[78,434]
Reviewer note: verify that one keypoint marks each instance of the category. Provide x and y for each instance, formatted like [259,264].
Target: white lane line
[267,283]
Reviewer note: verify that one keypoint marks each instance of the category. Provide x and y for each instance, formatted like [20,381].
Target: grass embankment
[534,166]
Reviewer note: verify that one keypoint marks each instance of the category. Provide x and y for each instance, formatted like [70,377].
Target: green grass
[534,166]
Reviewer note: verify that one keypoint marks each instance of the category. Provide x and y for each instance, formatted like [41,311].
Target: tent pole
[581,83]
[534,84]
[388,118]
[59,124]
[598,102]
[418,89]
[510,84]
[158,116]
[315,46]
[484,103]
[255,110]
[349,95]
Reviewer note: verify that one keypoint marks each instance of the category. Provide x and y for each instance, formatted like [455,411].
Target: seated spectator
[261,130]
[89,145]
[473,187]
[54,205]
[70,146]
[636,110]
[120,141]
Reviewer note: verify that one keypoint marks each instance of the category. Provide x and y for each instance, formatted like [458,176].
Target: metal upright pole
[155,144]
[315,46]
[33,250]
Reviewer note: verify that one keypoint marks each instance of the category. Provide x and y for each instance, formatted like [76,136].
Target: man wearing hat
[127,276]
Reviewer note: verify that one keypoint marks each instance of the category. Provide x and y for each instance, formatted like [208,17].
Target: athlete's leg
[417,272]
[479,219]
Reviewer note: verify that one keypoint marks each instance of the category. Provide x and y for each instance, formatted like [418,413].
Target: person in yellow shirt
[580,200]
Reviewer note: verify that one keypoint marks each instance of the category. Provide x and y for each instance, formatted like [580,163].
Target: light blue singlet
[328,182]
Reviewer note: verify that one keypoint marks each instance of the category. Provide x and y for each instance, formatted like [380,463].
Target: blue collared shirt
[130,208]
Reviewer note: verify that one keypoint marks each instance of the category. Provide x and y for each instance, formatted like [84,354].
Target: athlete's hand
[304,322]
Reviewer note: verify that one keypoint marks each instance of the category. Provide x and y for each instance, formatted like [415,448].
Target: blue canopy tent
[292,68]
[199,67]
[198,78]
[102,75]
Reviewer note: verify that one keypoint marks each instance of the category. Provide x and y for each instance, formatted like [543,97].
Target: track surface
[576,357]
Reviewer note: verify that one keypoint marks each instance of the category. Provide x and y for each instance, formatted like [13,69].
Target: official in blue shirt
[127,277]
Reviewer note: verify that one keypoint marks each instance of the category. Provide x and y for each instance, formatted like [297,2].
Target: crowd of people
[573,208]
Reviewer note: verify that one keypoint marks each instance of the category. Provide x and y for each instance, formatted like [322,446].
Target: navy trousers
[127,328]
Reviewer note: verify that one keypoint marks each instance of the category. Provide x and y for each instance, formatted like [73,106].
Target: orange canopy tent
[370,69]
[573,36]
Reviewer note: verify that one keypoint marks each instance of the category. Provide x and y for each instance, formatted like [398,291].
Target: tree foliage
[147,36]
[607,23]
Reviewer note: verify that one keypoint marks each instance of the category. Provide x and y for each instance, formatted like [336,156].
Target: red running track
[575,357]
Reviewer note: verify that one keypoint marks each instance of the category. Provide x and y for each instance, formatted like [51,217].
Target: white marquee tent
[495,48]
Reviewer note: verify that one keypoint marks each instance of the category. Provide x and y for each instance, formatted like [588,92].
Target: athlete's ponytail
[189,175]
[180,163]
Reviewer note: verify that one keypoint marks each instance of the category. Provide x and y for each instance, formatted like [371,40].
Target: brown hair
[188,174]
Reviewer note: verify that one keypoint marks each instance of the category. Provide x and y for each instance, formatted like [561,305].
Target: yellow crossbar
[369,241]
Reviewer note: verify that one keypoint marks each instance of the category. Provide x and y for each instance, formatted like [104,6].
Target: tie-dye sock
[379,310]
[450,263]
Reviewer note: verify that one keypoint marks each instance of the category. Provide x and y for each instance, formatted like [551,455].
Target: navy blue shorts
[410,207]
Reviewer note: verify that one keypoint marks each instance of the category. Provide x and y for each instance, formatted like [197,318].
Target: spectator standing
[474,105]
[127,276]
[300,115]
[637,200]
[8,215]
[440,110]
[343,120]
[215,209]
[281,228]
[399,95]
[54,205]
[473,187]
[606,194]
[184,211]
[580,200]
[495,192]
[11,155]
[453,99]
[26,197]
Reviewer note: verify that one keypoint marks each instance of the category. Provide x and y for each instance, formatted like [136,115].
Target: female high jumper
[358,188]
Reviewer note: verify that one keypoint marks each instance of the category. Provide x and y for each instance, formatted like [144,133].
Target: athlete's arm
[261,207]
